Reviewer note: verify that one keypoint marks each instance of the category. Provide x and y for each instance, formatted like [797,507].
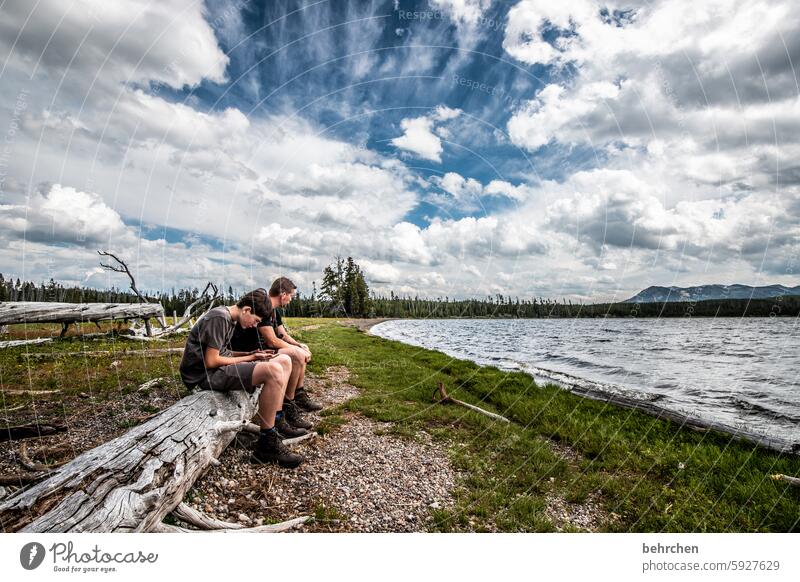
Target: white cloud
[421,135]
[62,215]
[166,42]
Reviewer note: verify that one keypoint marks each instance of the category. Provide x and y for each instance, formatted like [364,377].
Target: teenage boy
[209,364]
[271,333]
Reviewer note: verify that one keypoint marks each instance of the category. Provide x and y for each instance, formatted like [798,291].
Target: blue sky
[454,147]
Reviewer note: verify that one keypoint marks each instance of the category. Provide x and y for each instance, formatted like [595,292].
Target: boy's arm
[213,359]
[271,339]
[290,340]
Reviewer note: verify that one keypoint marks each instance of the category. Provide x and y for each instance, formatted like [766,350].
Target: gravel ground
[356,478]
[90,422]
[587,516]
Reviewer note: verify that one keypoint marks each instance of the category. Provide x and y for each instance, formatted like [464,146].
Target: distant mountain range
[705,292]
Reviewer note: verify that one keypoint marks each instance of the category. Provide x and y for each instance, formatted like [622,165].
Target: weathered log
[15,343]
[272,528]
[28,431]
[444,398]
[65,313]
[99,353]
[130,483]
[30,392]
[199,519]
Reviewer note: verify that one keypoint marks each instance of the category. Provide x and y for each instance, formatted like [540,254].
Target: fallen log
[130,483]
[444,398]
[271,528]
[15,343]
[28,431]
[43,312]
[121,353]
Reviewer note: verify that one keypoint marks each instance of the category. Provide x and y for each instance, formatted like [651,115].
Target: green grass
[650,474]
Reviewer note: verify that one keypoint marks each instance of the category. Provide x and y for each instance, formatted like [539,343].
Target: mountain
[704,292]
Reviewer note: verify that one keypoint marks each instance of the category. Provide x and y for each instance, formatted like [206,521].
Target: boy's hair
[258,302]
[281,285]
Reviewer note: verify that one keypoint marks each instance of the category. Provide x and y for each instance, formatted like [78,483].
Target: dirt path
[355,478]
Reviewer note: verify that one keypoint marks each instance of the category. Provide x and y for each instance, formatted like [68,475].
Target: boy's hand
[261,355]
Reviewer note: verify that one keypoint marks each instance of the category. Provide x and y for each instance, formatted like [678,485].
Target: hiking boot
[291,412]
[271,450]
[303,401]
[288,431]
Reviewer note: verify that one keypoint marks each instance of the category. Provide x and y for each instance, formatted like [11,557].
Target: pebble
[375,482]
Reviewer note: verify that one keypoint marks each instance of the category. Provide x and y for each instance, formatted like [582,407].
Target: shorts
[232,377]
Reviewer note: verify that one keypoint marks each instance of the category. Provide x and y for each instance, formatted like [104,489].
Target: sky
[459,148]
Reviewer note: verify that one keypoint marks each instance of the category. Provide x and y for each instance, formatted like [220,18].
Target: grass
[651,475]
[647,475]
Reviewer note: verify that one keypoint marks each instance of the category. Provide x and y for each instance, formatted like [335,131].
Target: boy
[271,333]
[209,364]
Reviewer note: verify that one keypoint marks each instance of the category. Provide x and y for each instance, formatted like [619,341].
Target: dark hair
[281,285]
[258,301]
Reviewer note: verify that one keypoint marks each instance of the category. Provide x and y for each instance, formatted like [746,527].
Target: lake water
[742,372]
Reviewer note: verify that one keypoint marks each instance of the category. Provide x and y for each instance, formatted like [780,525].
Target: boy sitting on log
[208,363]
[270,333]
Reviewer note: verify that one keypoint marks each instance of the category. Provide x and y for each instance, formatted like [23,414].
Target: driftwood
[30,465]
[132,482]
[99,353]
[28,431]
[15,343]
[43,312]
[272,528]
[444,398]
[200,520]
[787,479]
[188,316]
[686,420]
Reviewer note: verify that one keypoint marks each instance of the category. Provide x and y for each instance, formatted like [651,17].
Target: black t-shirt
[247,340]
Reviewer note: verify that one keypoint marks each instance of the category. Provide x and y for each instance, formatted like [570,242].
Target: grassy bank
[645,474]
[635,472]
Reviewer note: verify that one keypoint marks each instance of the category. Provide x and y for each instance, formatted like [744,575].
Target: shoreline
[562,454]
[627,398]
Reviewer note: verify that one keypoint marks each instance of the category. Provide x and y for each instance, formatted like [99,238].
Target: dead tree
[205,298]
[132,482]
[123,268]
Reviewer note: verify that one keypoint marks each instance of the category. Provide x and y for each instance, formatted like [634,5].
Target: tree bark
[65,313]
[130,483]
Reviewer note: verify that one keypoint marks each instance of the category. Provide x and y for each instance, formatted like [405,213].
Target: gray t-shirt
[214,330]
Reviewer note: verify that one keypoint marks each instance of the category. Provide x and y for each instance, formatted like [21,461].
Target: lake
[742,372]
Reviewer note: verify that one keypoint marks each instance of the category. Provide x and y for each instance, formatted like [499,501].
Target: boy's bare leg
[273,374]
[298,369]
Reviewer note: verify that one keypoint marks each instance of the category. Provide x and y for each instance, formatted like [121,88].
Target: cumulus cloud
[422,135]
[167,42]
[62,215]
[671,75]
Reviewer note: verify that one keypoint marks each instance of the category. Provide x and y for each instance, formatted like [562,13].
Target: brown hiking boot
[288,431]
[271,450]
[291,412]
[302,400]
